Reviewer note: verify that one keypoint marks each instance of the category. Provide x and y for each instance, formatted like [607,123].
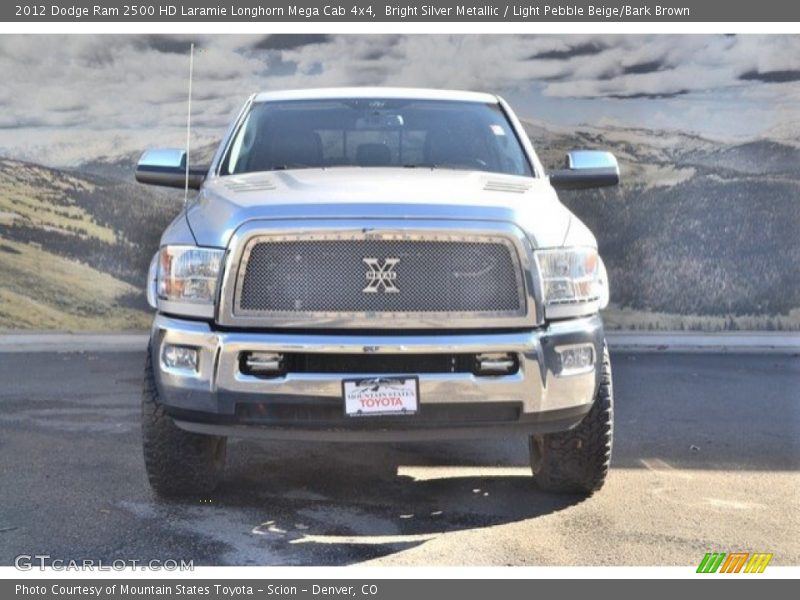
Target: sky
[72,99]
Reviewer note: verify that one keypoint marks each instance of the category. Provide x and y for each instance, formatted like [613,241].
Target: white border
[378,573]
[257,27]
[364,571]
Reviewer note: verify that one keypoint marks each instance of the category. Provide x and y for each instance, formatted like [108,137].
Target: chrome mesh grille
[329,276]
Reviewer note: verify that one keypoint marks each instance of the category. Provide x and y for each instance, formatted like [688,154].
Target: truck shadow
[346,503]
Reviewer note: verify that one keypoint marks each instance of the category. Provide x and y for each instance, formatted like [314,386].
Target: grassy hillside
[45,199]
[41,290]
[74,248]
[698,228]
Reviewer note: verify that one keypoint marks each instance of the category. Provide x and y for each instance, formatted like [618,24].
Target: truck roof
[376,92]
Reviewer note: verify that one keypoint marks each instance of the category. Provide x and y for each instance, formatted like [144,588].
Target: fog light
[263,363]
[179,357]
[575,359]
[495,363]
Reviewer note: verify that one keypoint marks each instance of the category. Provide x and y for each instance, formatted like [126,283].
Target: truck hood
[226,203]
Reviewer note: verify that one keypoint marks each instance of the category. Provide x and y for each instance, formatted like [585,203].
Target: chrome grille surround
[254,235]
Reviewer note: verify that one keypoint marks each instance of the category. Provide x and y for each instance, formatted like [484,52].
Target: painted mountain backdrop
[701,235]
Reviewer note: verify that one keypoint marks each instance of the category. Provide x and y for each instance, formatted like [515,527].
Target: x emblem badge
[381,275]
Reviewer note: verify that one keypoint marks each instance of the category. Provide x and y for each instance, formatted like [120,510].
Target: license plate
[381,396]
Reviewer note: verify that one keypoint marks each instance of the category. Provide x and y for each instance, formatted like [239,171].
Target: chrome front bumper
[207,400]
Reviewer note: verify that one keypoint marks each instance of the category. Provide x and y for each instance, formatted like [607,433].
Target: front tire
[577,461]
[178,463]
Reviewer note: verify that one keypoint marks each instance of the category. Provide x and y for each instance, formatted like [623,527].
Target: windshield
[374,132]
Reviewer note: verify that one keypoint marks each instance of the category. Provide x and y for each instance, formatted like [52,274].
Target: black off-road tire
[577,461]
[178,463]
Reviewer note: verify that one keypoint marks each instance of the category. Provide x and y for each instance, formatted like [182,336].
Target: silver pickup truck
[376,264]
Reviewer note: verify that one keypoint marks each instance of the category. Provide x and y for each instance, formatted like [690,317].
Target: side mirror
[167,167]
[586,169]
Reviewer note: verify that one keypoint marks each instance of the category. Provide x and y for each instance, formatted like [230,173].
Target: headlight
[187,280]
[573,281]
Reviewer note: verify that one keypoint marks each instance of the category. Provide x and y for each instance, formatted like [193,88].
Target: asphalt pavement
[706,459]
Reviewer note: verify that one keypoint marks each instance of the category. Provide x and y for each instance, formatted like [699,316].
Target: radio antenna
[188,124]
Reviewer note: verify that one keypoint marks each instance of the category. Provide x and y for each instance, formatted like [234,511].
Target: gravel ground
[706,459]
